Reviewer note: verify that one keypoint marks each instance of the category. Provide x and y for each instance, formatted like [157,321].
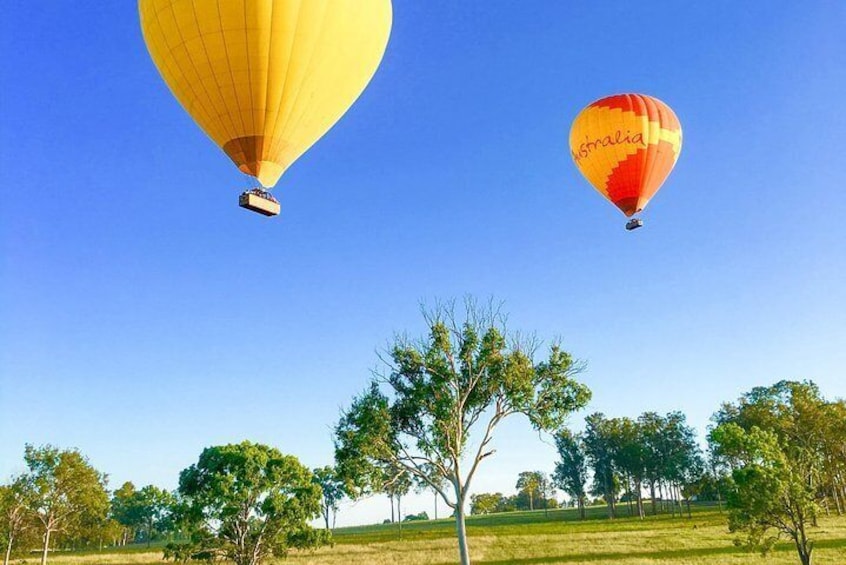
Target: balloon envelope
[625,146]
[265,79]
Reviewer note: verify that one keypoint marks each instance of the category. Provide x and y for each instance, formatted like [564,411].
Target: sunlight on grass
[530,539]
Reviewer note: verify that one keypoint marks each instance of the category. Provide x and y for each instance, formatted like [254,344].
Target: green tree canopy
[247,502]
[785,446]
[770,491]
[419,413]
[530,483]
[571,471]
[487,503]
[150,508]
[124,511]
[332,487]
[16,522]
[809,429]
[599,448]
[66,492]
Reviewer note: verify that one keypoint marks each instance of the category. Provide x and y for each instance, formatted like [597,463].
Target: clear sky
[144,316]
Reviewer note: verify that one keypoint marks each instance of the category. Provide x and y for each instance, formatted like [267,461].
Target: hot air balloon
[625,146]
[265,79]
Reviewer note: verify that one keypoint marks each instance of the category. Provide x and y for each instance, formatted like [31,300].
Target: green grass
[531,538]
[524,523]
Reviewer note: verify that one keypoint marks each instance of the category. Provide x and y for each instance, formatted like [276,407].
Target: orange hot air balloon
[625,145]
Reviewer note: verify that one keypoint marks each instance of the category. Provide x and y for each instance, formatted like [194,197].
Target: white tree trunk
[460,530]
[46,547]
[8,551]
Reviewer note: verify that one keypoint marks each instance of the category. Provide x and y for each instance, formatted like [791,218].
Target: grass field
[530,538]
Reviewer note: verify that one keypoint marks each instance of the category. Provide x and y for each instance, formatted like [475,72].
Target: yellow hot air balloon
[626,145]
[265,79]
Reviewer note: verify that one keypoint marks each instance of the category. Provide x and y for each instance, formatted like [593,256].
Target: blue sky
[144,316]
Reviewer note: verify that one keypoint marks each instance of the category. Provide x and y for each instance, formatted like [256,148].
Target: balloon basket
[259,201]
[633,224]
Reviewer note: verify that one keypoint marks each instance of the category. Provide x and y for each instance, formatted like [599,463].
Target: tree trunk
[639,500]
[804,553]
[8,550]
[326,516]
[461,532]
[677,499]
[436,505]
[391,498]
[803,545]
[531,501]
[46,547]
[609,497]
[399,514]
[581,507]
[652,496]
[669,497]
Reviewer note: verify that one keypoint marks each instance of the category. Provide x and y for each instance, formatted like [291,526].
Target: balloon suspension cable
[261,192]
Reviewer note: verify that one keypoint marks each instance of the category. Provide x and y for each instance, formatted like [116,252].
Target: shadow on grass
[667,555]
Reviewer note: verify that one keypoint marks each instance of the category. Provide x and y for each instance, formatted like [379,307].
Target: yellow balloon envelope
[265,79]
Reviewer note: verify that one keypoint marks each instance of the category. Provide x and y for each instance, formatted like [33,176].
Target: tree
[651,427]
[529,483]
[150,507]
[487,503]
[397,482]
[628,454]
[833,474]
[662,452]
[546,490]
[144,511]
[332,488]
[787,439]
[15,521]
[419,413]
[571,470]
[770,490]
[124,511]
[808,427]
[247,502]
[66,491]
[598,444]
[681,456]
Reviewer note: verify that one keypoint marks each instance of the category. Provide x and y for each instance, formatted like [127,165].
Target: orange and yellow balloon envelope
[625,146]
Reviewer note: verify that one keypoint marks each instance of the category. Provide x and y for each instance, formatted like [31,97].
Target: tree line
[628,459]
[239,502]
[776,457]
[426,421]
